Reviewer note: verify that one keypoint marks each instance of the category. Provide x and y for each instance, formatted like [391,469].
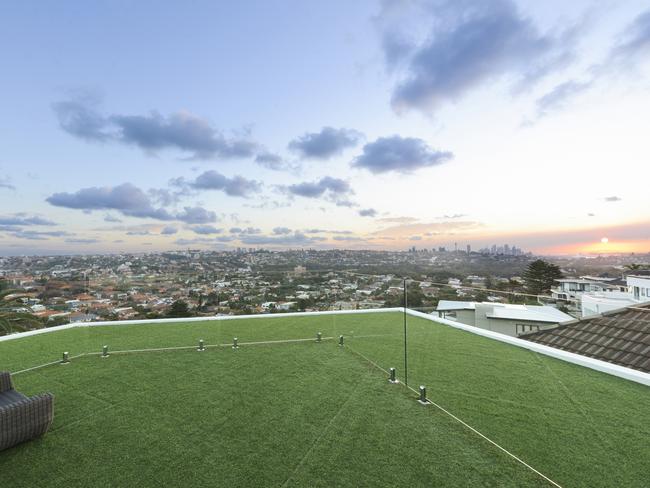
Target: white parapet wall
[595,364]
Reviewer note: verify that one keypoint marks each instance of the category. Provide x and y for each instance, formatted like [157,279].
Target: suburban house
[619,336]
[504,318]
[637,290]
[572,289]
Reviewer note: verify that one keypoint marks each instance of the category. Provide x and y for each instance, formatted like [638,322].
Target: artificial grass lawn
[275,415]
[248,417]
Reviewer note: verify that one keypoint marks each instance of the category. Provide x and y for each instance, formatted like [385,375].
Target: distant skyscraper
[469,249]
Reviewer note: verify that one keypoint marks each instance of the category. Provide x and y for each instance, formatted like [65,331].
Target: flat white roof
[448,305]
[509,311]
[537,313]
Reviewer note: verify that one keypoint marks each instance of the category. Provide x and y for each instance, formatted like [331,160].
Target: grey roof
[620,336]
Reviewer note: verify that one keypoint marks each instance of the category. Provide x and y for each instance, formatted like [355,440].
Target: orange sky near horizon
[598,247]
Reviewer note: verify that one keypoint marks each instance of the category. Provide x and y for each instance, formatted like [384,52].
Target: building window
[521,328]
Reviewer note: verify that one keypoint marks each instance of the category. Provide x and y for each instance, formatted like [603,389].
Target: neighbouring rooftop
[619,336]
[536,313]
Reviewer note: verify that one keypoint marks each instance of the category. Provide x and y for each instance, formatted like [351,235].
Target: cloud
[325,144]
[470,43]
[635,40]
[348,239]
[325,231]
[271,161]
[225,238]
[559,97]
[196,215]
[35,235]
[129,200]
[633,43]
[368,212]
[206,229]
[5,182]
[181,131]
[591,214]
[79,117]
[453,216]
[82,241]
[211,241]
[168,231]
[398,220]
[9,228]
[613,198]
[237,186]
[429,229]
[399,154]
[111,218]
[332,189]
[281,231]
[165,196]
[138,233]
[126,198]
[289,240]
[246,231]
[23,220]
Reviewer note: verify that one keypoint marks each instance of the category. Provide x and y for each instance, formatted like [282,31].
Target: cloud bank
[325,144]
[128,200]
[399,154]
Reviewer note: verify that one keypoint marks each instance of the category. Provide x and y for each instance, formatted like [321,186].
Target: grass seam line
[503,449]
[321,435]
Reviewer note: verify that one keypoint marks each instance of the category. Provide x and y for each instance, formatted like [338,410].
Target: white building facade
[637,291]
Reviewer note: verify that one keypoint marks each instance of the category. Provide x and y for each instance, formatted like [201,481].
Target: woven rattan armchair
[22,418]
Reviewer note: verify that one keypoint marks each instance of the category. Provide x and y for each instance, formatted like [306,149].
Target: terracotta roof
[620,336]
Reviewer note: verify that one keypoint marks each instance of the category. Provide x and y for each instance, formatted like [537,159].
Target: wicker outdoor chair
[22,418]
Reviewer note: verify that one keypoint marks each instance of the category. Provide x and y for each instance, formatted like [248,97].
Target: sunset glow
[347,139]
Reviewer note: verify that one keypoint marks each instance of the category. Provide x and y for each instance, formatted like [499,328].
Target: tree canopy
[540,276]
[179,309]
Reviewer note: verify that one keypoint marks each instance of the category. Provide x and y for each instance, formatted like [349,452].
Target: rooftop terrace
[301,413]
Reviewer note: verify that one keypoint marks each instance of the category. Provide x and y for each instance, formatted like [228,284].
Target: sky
[150,126]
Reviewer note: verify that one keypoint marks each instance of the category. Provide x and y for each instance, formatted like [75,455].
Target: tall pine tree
[540,276]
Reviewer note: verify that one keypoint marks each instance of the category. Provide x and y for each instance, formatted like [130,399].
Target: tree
[415,297]
[179,309]
[11,322]
[489,284]
[540,276]
[637,267]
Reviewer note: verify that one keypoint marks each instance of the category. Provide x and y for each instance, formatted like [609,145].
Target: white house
[504,318]
[637,291]
[639,287]
[572,289]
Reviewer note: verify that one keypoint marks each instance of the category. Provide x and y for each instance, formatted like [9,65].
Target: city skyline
[329,125]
